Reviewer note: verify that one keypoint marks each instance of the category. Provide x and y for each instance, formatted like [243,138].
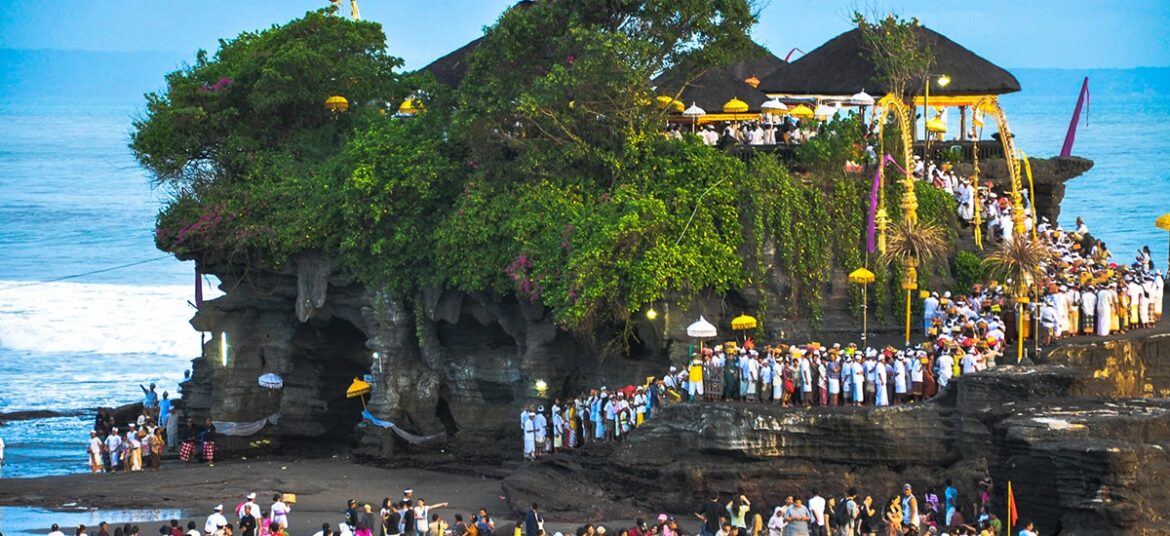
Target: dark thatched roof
[841,67]
[720,84]
[450,69]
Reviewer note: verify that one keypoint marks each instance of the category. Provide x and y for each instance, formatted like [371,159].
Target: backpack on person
[840,515]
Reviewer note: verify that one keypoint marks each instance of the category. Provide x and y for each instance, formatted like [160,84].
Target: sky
[1073,34]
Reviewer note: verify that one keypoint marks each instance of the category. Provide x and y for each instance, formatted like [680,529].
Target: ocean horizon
[73,201]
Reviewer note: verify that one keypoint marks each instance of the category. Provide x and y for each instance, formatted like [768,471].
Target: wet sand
[322,487]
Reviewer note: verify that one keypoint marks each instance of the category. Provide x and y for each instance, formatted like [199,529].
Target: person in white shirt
[816,505]
[249,506]
[56,531]
[279,511]
[946,368]
[215,521]
[95,452]
[114,447]
[1,456]
[422,515]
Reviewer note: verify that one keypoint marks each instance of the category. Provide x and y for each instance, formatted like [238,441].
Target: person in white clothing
[249,506]
[95,453]
[530,437]
[422,515]
[279,511]
[816,505]
[215,521]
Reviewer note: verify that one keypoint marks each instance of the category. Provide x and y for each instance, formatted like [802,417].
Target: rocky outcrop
[1085,457]
[1123,367]
[1086,467]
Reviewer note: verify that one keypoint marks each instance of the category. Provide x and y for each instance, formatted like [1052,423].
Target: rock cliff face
[1085,456]
[456,367]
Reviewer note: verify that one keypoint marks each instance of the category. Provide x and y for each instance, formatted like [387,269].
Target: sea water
[73,200]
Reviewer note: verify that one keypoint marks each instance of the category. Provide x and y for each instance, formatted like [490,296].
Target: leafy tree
[900,58]
[562,86]
[259,102]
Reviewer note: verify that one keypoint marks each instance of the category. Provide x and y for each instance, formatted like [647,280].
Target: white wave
[98,318]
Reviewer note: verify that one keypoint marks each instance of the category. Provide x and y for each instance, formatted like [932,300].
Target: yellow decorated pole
[863,277]
[1021,301]
[976,205]
[1031,192]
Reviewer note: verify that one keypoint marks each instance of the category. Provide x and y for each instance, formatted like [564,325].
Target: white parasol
[270,381]
[862,99]
[773,105]
[702,329]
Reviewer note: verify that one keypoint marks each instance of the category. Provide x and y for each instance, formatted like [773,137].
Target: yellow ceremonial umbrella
[663,101]
[863,277]
[358,389]
[801,111]
[936,125]
[336,104]
[744,323]
[410,107]
[1163,223]
[735,106]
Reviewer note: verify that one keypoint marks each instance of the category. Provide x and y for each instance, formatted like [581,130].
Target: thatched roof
[841,67]
[451,69]
[721,84]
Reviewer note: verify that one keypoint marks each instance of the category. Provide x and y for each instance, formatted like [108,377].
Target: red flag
[1013,516]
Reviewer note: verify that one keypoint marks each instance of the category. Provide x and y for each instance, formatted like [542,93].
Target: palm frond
[1022,260]
[915,242]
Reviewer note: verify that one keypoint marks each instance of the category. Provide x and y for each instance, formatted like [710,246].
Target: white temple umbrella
[862,100]
[773,107]
[270,381]
[823,112]
[694,112]
[701,329]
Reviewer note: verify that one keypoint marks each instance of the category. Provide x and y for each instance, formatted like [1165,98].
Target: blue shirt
[151,399]
[164,409]
[952,497]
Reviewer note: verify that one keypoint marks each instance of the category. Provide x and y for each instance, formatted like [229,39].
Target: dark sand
[322,487]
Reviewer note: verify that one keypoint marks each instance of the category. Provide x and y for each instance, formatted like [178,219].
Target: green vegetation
[968,270]
[544,177]
[900,59]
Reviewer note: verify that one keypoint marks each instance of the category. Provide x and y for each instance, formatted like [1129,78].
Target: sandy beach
[322,487]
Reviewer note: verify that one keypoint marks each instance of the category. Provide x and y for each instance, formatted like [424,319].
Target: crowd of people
[783,130]
[1084,293]
[849,514]
[140,444]
[852,514]
[406,517]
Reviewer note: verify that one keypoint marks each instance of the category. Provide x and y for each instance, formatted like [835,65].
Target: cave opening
[443,411]
[340,356]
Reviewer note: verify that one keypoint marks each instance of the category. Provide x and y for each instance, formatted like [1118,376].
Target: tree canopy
[544,176]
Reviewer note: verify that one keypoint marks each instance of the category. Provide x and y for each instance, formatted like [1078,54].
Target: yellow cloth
[695,373]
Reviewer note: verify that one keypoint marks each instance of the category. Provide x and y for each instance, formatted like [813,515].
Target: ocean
[73,201]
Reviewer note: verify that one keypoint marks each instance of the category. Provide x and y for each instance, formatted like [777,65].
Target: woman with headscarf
[777,523]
